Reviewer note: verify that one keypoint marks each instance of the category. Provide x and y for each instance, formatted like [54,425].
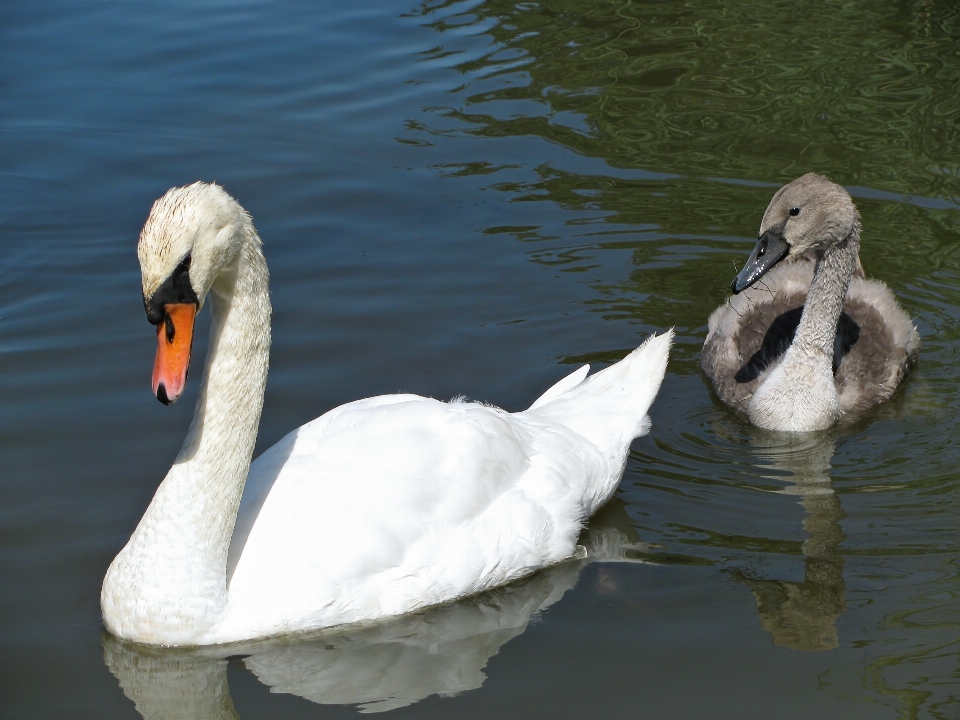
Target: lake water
[472,198]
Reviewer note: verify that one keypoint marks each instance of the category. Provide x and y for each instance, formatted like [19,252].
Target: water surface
[471,198]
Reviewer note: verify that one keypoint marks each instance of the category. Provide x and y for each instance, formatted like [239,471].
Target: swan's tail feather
[610,407]
[565,385]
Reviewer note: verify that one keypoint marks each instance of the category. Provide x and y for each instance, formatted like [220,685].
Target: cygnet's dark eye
[794,212]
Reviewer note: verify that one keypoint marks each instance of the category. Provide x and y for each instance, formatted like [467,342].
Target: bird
[379,507]
[807,339]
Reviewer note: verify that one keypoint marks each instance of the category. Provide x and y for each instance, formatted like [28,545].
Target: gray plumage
[850,346]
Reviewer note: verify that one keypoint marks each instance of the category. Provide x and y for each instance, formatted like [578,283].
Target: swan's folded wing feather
[559,388]
[397,502]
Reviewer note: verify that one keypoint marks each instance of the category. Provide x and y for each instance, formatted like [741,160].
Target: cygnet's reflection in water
[802,615]
[379,667]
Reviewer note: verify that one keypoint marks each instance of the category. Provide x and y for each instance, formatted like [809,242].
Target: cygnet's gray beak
[770,249]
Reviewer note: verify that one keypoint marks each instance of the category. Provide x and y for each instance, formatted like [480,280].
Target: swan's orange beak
[174,341]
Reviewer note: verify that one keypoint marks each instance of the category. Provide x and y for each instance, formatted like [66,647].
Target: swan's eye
[762,250]
[794,212]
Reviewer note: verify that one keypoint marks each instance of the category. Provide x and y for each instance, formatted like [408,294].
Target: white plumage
[377,508]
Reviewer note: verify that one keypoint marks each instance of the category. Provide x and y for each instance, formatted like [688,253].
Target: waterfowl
[814,339]
[378,507]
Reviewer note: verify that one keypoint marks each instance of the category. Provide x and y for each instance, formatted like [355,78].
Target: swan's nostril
[170,328]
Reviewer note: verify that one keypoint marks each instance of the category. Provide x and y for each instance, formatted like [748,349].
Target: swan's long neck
[821,311]
[169,583]
[800,394]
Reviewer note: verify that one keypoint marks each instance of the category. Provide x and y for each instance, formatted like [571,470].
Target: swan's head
[807,216]
[191,235]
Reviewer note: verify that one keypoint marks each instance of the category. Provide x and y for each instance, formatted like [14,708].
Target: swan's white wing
[265,470]
[558,389]
[390,504]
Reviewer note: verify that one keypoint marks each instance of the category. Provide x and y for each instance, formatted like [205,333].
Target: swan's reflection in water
[378,667]
[802,615]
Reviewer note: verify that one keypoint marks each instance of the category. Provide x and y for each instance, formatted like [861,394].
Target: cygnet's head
[191,234]
[808,215]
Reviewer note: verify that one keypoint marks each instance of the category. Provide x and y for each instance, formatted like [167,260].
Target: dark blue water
[469,198]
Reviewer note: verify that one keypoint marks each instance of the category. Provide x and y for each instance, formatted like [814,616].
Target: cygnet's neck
[821,312]
[800,394]
[170,579]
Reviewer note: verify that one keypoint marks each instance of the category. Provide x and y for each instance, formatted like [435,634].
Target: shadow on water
[802,615]
[378,667]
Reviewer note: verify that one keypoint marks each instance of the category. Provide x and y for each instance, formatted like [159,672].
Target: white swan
[815,340]
[378,507]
